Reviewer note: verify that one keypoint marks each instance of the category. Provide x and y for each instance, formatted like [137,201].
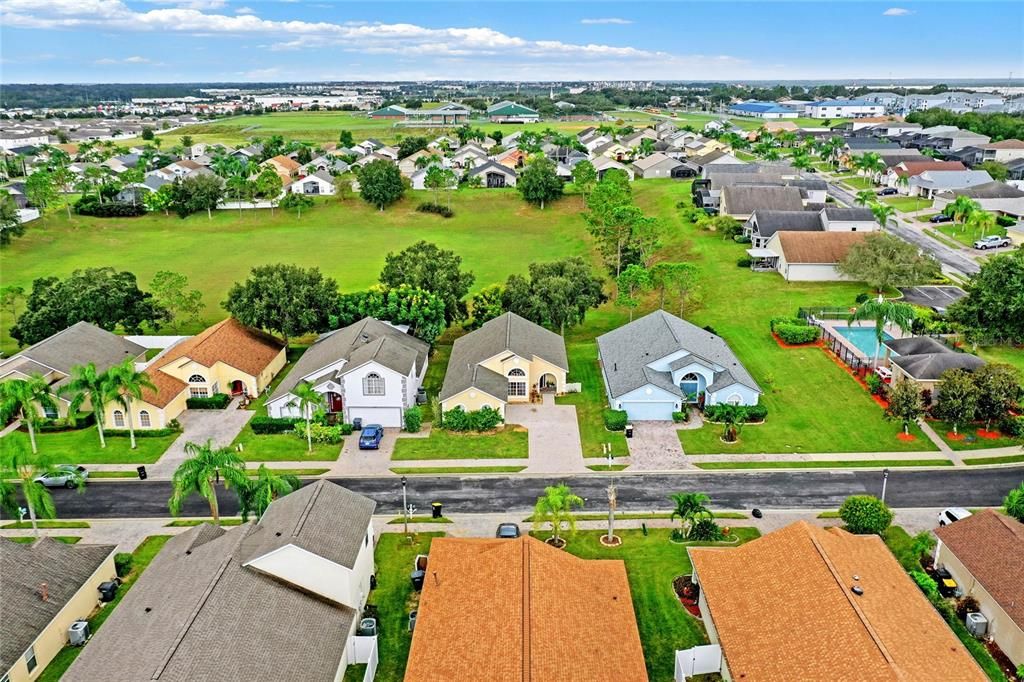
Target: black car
[887,192]
[507,531]
[941,218]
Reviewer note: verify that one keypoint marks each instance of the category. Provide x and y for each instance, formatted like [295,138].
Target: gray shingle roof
[199,614]
[851,214]
[930,366]
[916,345]
[762,178]
[625,353]
[508,332]
[770,222]
[23,568]
[745,199]
[492,166]
[990,190]
[368,339]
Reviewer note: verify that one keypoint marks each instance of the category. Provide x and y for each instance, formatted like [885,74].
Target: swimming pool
[863,339]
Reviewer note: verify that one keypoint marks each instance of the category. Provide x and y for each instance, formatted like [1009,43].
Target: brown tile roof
[991,545]
[784,610]
[817,247]
[912,168]
[521,611]
[229,341]
[285,163]
[1005,144]
[167,388]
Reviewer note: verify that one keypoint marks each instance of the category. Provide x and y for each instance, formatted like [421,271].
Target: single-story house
[493,175]
[284,166]
[983,554]
[325,163]
[657,364]
[46,586]
[842,608]
[762,225]
[54,358]
[981,193]
[930,183]
[367,370]
[805,256]
[320,182]
[659,165]
[418,180]
[603,164]
[740,201]
[225,358]
[286,591]
[909,169]
[496,610]
[407,166]
[923,359]
[512,112]
[503,362]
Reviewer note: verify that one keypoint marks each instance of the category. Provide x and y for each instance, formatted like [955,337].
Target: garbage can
[142,473]
[357,424]
[629,430]
[435,508]
[417,579]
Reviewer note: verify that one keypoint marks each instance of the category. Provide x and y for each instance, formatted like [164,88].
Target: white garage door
[653,411]
[385,416]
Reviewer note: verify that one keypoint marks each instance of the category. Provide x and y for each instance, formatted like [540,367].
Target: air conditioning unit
[78,633]
[977,624]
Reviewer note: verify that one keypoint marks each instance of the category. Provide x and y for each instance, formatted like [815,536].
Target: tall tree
[961,208]
[865,197]
[380,183]
[883,213]
[539,182]
[11,298]
[127,384]
[883,313]
[89,385]
[201,471]
[958,398]
[10,222]
[40,190]
[1014,503]
[170,290]
[426,266]
[556,506]
[611,218]
[584,177]
[310,404]
[905,403]
[884,261]
[556,295]
[284,299]
[486,305]
[345,139]
[633,280]
[422,310]
[673,279]
[435,180]
[994,306]
[197,193]
[25,467]
[257,493]
[268,185]
[999,388]
[25,398]
[688,508]
[297,201]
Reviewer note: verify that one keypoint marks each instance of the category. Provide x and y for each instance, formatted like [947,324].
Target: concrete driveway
[198,426]
[554,435]
[655,446]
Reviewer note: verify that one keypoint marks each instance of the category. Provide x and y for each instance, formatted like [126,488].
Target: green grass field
[506,444]
[964,235]
[464,471]
[907,204]
[828,464]
[590,402]
[971,440]
[82,446]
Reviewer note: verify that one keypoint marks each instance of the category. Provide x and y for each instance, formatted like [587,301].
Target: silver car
[63,476]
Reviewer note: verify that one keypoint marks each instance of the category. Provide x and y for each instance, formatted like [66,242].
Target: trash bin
[629,430]
[417,579]
[435,508]
[756,513]
[357,424]
[142,473]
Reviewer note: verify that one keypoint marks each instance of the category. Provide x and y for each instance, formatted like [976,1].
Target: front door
[237,387]
[334,402]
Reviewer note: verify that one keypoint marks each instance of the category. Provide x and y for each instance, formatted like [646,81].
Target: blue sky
[248,40]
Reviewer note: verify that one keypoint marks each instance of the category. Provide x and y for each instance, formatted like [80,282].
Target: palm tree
[903,181]
[982,221]
[871,163]
[309,403]
[733,420]
[257,493]
[200,473]
[127,384]
[25,397]
[884,312]
[26,467]
[961,208]
[883,213]
[801,161]
[865,197]
[88,384]
[688,507]
[646,146]
[555,506]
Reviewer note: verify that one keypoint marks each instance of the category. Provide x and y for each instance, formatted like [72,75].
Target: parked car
[507,531]
[63,476]
[370,437]
[941,218]
[888,192]
[991,242]
[952,514]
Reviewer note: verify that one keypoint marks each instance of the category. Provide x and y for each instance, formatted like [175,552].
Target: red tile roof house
[985,555]
[908,169]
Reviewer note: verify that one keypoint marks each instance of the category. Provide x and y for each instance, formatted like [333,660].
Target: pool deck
[832,325]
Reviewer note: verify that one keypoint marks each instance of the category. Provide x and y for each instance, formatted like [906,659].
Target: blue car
[369,438]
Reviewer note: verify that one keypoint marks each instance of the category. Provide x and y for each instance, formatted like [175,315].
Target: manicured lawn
[965,235]
[1008,459]
[398,520]
[607,467]
[259,406]
[434,379]
[590,402]
[638,516]
[859,182]
[46,523]
[188,523]
[290,472]
[504,444]
[143,554]
[907,204]
[1011,355]
[971,440]
[413,471]
[82,446]
[113,474]
[652,562]
[942,238]
[29,539]
[824,464]
[283,447]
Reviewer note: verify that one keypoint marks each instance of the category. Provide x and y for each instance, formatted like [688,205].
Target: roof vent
[278,533]
[148,609]
[857,590]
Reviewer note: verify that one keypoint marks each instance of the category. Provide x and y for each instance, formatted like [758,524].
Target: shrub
[705,530]
[865,514]
[346,429]
[796,334]
[1005,221]
[55,425]
[123,562]
[413,419]
[217,401]
[484,419]
[112,209]
[757,413]
[720,412]
[927,584]
[142,433]
[680,417]
[267,425]
[743,262]
[1011,426]
[439,209]
[966,605]
[741,238]
[615,420]
[862,298]
[875,384]
[320,433]
[782,319]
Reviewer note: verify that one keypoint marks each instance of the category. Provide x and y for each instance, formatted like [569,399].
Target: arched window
[734,399]
[516,382]
[144,419]
[690,386]
[485,406]
[119,419]
[373,384]
[197,379]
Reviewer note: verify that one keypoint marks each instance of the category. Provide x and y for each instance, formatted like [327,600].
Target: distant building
[843,108]
[512,112]
[762,110]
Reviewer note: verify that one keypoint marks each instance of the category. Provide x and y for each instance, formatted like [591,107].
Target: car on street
[952,515]
[370,437]
[941,218]
[63,476]
[888,192]
[507,531]
[991,242]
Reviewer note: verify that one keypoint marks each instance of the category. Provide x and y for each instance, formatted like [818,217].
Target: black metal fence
[837,345]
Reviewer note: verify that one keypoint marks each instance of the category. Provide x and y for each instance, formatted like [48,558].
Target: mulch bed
[782,344]
[990,435]
[687,593]
[1001,659]
[954,436]
[906,437]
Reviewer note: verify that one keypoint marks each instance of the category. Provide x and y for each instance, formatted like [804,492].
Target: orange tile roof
[991,545]
[231,342]
[284,163]
[167,388]
[817,247]
[912,168]
[521,611]
[784,610]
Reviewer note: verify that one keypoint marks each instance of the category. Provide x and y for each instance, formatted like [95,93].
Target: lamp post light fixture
[885,480]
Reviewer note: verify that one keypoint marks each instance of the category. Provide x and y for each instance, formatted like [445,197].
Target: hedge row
[217,401]
[56,425]
[111,209]
[751,413]
[268,425]
[615,420]
[796,334]
[141,433]
[440,210]
[484,419]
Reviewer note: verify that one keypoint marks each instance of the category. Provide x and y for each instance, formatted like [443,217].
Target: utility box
[78,633]
[977,624]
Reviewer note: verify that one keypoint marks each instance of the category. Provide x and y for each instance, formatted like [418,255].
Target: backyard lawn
[82,446]
[508,443]
[907,204]
[590,402]
[965,235]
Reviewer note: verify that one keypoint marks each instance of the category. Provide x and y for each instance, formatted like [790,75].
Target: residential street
[487,494]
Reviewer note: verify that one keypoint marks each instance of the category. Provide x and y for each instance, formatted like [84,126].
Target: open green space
[143,555]
[282,447]
[590,402]
[971,440]
[82,446]
[46,523]
[434,379]
[828,464]
[188,523]
[507,443]
[858,182]
[29,539]
[1007,459]
[966,236]
[907,204]
[468,471]
[1011,355]
[652,562]
[942,238]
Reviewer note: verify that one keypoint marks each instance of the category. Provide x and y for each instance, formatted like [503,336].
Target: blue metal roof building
[762,110]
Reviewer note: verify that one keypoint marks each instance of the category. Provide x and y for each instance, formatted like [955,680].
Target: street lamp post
[885,480]
[405,508]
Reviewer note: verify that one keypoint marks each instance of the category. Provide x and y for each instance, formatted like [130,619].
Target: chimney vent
[44,592]
[857,590]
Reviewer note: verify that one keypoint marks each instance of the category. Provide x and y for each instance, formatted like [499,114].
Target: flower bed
[687,593]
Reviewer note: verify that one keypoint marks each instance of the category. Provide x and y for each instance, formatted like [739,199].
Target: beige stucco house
[504,361]
[922,359]
[45,586]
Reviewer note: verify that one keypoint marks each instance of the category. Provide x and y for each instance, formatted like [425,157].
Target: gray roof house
[761,225]
[493,174]
[246,603]
[923,359]
[740,201]
[929,183]
[500,362]
[369,370]
[658,165]
[657,364]
[45,586]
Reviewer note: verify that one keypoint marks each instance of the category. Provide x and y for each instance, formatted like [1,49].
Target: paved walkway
[655,446]
[941,444]
[198,426]
[553,433]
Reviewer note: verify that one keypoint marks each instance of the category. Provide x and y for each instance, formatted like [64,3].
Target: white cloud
[607,20]
[127,60]
[245,10]
[191,4]
[897,12]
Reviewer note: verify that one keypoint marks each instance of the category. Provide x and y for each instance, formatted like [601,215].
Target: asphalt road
[490,494]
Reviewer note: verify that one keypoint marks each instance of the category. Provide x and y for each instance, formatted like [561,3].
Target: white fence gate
[698,661]
[363,649]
